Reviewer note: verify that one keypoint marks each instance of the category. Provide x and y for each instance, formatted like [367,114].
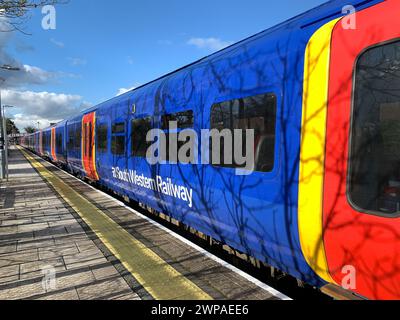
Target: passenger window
[257,113]
[140,128]
[78,136]
[118,139]
[48,139]
[70,137]
[374,176]
[118,128]
[185,121]
[101,134]
[59,146]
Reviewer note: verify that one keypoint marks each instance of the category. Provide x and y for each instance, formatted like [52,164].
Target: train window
[118,128]
[59,146]
[78,136]
[118,138]
[102,134]
[43,139]
[118,145]
[70,137]
[140,128]
[46,140]
[184,119]
[374,170]
[257,113]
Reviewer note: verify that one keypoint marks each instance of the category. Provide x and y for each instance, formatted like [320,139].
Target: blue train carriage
[46,143]
[273,82]
[256,214]
[74,145]
[59,136]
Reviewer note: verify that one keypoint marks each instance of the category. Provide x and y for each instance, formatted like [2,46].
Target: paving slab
[38,236]
[62,240]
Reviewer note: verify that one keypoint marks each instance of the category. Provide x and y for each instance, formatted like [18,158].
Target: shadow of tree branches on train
[258,214]
[351,236]
[378,277]
[251,223]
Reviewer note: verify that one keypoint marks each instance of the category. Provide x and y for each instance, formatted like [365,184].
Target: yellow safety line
[160,279]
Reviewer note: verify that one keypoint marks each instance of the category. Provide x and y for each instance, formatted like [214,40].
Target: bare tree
[30,129]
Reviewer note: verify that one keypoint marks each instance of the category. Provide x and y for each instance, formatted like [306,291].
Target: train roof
[311,18]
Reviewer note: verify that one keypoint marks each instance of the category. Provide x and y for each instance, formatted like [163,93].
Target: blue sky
[101,47]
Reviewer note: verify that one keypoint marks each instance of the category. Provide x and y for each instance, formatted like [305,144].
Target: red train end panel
[362,181]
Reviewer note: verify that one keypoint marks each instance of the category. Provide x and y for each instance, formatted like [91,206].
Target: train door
[53,144]
[88,145]
[362,168]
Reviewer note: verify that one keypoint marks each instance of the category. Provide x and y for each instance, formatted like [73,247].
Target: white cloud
[77,62]
[45,107]
[21,121]
[31,106]
[124,90]
[213,44]
[27,75]
[36,75]
[57,43]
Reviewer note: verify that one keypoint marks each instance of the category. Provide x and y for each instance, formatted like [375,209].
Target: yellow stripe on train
[312,154]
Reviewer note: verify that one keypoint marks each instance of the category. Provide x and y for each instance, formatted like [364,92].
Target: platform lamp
[6,137]
[3,134]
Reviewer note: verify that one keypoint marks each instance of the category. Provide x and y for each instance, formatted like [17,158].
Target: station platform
[61,239]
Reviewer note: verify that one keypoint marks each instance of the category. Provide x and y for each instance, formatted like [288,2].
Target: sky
[102,48]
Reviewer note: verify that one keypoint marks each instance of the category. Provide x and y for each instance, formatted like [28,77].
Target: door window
[374,180]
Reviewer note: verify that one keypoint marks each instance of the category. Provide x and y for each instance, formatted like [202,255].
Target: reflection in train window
[184,121]
[102,134]
[118,128]
[78,136]
[257,113]
[118,139]
[374,177]
[140,128]
[59,144]
[70,137]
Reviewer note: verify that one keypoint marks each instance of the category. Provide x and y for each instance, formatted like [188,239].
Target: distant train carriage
[60,147]
[321,93]
[46,143]
[73,142]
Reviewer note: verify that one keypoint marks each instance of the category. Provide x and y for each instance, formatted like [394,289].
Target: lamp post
[6,138]
[2,140]
[3,137]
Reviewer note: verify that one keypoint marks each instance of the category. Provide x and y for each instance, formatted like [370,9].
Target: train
[321,93]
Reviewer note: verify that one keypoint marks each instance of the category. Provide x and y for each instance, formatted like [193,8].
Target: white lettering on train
[159,184]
